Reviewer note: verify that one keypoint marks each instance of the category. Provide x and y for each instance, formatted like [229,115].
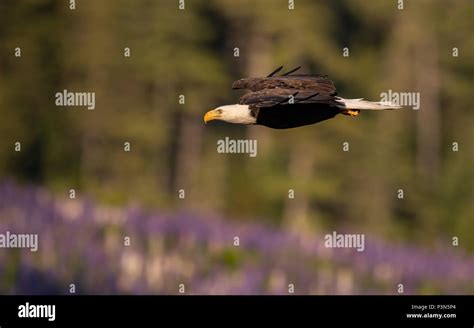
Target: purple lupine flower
[83,243]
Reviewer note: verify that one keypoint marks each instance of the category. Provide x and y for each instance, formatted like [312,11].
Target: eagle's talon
[351,112]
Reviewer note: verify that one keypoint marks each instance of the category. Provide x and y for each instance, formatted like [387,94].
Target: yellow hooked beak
[212,115]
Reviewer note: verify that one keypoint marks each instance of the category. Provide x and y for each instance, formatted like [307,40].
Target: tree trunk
[428,120]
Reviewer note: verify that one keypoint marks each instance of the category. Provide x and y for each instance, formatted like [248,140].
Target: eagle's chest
[291,116]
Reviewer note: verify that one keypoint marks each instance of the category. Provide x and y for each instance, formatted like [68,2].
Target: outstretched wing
[302,82]
[278,96]
[317,83]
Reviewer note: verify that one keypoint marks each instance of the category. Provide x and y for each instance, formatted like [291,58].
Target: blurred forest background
[191,52]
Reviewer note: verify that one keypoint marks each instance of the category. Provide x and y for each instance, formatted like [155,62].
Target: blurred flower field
[84,244]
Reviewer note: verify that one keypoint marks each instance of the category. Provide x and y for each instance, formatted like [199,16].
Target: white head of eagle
[239,114]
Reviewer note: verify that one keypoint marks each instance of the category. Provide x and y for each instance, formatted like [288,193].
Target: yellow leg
[351,112]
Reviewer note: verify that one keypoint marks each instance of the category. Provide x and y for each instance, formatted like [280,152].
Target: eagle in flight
[290,100]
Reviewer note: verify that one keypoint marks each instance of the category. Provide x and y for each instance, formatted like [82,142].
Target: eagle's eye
[219,111]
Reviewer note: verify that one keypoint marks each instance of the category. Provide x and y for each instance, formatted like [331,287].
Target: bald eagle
[288,101]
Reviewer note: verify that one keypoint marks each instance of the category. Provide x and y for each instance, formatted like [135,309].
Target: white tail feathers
[364,104]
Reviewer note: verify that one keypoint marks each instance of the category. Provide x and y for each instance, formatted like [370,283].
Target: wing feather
[277,96]
[318,83]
